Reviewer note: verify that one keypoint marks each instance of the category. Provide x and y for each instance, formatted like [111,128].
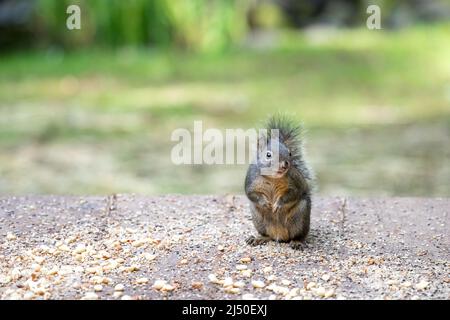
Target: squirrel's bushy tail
[290,133]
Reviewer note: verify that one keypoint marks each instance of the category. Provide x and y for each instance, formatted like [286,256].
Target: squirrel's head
[274,158]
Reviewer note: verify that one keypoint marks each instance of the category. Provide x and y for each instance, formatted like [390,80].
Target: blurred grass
[376,105]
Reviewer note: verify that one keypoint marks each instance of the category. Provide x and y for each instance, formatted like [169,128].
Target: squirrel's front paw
[256,241]
[276,206]
[264,203]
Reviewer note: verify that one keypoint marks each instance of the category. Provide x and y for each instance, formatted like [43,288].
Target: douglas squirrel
[280,192]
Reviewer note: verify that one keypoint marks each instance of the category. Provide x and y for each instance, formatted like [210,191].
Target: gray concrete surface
[192,247]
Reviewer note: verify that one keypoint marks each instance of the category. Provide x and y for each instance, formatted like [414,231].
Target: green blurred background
[91,111]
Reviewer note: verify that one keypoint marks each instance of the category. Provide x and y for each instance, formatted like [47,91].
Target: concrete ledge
[69,247]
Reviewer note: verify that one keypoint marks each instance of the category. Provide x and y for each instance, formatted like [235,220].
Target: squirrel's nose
[284,165]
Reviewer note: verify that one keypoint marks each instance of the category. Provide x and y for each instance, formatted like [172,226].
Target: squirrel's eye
[269,154]
[290,154]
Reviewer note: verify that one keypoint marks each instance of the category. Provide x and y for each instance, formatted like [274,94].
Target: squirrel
[280,192]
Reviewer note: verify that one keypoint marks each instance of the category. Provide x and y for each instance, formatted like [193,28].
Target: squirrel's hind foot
[297,245]
[256,241]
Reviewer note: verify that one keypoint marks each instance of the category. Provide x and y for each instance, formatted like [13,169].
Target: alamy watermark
[233,146]
[73,21]
[373,22]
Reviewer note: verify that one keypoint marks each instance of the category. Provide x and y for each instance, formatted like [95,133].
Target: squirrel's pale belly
[273,190]
[277,225]
[277,232]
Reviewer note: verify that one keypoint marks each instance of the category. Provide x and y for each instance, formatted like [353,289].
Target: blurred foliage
[194,24]
[376,105]
[91,110]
